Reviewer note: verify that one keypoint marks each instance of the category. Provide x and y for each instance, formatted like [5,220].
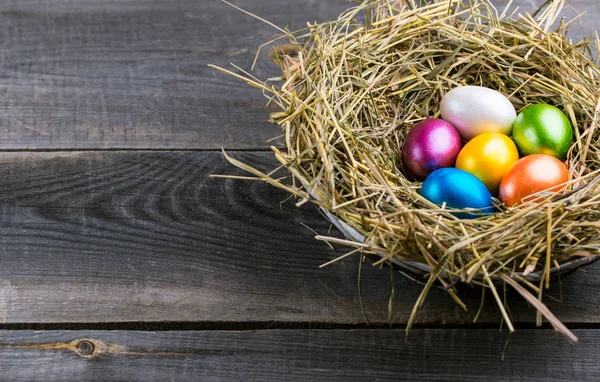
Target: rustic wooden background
[120,259]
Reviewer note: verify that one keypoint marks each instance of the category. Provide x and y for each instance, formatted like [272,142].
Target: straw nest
[351,89]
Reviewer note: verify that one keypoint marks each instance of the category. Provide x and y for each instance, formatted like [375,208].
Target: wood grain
[278,355]
[134,74]
[80,74]
[116,237]
[146,240]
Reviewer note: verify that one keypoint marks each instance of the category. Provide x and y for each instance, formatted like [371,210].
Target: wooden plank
[109,237]
[133,74]
[277,355]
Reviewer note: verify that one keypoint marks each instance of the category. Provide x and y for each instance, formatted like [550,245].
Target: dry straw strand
[352,91]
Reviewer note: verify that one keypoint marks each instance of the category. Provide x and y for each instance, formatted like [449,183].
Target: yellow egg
[488,157]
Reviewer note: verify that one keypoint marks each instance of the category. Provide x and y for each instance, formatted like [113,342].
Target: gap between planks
[124,149]
[148,326]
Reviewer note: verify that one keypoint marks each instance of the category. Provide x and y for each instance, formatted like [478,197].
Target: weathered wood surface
[278,355]
[108,237]
[133,240]
[134,74]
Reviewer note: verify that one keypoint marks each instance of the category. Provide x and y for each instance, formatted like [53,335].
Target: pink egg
[430,145]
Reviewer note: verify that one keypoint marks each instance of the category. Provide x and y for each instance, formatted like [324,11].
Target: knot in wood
[85,348]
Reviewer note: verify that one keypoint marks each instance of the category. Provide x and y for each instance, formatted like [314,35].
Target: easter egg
[530,175]
[543,129]
[475,110]
[488,157]
[429,145]
[458,189]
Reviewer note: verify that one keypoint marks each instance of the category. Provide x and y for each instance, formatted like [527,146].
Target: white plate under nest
[422,268]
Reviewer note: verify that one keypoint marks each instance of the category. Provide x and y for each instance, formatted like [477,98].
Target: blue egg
[458,189]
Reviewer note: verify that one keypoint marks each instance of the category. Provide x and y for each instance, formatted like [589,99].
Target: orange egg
[530,175]
[488,157]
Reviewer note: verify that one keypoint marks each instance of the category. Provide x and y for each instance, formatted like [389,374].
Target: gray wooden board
[134,74]
[135,236]
[276,355]
[105,74]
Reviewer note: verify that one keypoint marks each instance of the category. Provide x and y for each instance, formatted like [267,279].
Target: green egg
[543,129]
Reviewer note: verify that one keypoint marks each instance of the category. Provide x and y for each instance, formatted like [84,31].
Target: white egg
[475,110]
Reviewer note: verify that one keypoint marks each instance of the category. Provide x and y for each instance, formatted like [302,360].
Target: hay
[352,91]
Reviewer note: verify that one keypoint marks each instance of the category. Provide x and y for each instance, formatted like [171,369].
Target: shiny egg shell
[530,175]
[458,189]
[474,110]
[543,129]
[488,157]
[430,145]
